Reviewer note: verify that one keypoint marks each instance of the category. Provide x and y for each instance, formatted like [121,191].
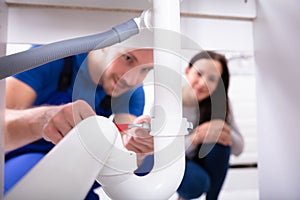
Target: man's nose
[133,78]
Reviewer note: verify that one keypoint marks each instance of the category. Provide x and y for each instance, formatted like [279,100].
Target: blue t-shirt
[44,80]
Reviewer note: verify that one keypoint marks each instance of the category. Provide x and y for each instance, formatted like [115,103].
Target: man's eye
[147,69]
[127,58]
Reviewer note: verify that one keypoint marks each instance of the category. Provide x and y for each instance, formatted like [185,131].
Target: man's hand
[138,139]
[61,119]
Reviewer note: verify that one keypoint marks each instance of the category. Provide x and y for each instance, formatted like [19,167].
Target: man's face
[123,68]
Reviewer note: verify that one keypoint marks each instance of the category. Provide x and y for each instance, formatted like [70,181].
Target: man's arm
[18,94]
[50,122]
[18,122]
[23,126]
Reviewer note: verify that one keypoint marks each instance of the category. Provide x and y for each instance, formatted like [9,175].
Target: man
[48,101]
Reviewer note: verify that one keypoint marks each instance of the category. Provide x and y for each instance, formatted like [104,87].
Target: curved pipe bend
[161,183]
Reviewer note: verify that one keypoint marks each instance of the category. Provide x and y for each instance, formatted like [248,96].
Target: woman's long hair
[216,105]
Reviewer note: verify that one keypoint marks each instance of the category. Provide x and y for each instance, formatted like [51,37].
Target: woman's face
[119,69]
[203,77]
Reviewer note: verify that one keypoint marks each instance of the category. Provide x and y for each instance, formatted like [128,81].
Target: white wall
[276,37]
[219,34]
[210,23]
[45,25]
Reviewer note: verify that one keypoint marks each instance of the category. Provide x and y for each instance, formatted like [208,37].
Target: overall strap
[105,104]
[66,75]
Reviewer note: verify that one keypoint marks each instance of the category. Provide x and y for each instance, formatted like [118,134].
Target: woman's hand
[214,131]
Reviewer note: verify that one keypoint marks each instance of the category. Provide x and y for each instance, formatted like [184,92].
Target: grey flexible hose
[19,62]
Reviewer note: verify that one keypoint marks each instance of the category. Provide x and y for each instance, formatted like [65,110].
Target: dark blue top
[44,80]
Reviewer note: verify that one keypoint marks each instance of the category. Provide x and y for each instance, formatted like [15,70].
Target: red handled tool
[125,127]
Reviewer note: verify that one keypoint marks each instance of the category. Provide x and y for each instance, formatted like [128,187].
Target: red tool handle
[122,127]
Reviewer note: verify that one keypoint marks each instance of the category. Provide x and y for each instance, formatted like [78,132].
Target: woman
[208,147]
